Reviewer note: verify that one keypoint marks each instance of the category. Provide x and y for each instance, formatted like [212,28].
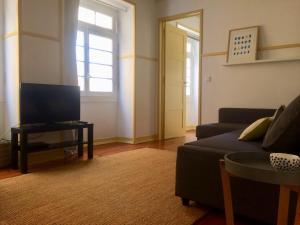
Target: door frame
[161,67]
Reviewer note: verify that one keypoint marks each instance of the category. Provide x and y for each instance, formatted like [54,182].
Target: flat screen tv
[43,103]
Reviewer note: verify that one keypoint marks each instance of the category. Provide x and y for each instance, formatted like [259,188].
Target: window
[192,64]
[188,67]
[188,77]
[96,50]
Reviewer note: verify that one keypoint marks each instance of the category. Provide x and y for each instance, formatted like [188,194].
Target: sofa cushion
[209,130]
[243,115]
[256,130]
[228,141]
[284,134]
[276,115]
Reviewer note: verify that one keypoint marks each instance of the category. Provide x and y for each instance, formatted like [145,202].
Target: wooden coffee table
[256,166]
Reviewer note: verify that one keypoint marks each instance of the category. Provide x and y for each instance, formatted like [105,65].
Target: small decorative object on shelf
[242,45]
[284,162]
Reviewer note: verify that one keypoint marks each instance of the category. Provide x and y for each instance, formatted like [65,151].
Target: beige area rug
[130,188]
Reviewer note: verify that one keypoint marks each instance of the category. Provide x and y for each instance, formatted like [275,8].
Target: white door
[175,57]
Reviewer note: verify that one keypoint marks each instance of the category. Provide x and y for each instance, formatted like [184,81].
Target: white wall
[104,116]
[42,17]
[41,57]
[126,73]
[146,69]
[257,85]
[126,103]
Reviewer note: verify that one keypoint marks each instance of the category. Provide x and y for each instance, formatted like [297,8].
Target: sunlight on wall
[11,65]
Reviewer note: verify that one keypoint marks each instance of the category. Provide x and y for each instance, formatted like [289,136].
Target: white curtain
[70,33]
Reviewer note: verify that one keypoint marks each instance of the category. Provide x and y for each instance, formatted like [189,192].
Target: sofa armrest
[243,115]
[213,129]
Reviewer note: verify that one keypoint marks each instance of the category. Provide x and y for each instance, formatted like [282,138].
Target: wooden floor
[108,149]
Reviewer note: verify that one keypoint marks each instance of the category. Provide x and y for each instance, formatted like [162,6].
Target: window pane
[79,53]
[189,47]
[81,83]
[97,56]
[101,43]
[188,63]
[188,91]
[80,38]
[86,15]
[188,73]
[104,21]
[80,68]
[101,85]
[101,71]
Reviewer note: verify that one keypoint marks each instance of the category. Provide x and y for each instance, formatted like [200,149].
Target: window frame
[88,29]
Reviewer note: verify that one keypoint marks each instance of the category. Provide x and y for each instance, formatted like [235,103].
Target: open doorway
[180,74]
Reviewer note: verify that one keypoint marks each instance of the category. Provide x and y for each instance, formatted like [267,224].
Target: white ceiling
[190,22]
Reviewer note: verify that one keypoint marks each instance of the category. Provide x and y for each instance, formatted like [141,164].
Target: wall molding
[41,36]
[127,56]
[126,140]
[266,48]
[133,56]
[282,46]
[139,140]
[147,58]
[214,54]
[103,141]
[189,128]
[9,35]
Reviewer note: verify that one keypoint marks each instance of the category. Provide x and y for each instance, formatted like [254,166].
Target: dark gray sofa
[231,119]
[198,173]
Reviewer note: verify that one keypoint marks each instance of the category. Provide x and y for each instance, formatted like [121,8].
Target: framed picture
[242,45]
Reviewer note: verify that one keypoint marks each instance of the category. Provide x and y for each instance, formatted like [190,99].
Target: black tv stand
[24,147]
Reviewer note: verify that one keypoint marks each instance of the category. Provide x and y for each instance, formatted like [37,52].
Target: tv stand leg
[185,201]
[80,142]
[23,153]
[14,150]
[90,141]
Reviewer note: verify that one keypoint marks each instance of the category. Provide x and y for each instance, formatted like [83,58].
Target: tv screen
[43,103]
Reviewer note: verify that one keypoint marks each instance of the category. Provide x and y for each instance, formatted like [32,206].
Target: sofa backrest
[243,115]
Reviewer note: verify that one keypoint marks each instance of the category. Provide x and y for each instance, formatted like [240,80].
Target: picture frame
[242,45]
